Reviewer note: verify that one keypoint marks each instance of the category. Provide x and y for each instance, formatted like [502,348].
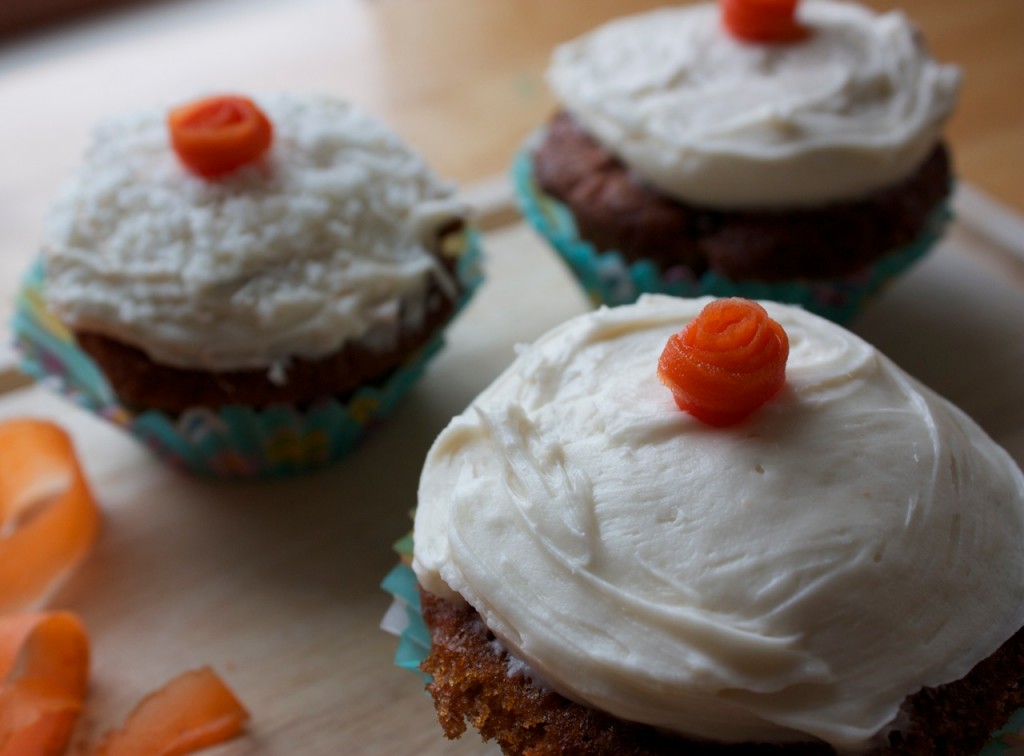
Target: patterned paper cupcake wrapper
[235,441]
[405,620]
[610,279]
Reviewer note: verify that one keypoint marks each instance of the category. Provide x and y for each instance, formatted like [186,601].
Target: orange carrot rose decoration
[762,20]
[726,363]
[216,135]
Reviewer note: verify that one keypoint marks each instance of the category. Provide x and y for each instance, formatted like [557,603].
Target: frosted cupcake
[637,540]
[248,285]
[728,150]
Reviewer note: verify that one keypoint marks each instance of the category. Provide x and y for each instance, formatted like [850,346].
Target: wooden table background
[276,584]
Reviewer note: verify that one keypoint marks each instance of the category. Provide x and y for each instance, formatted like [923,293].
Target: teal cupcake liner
[235,441]
[405,620]
[608,278]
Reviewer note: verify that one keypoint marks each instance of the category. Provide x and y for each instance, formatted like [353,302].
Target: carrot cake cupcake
[654,534]
[247,283]
[771,150]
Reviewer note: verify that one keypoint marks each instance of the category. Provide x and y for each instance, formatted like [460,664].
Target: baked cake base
[615,210]
[142,384]
[472,684]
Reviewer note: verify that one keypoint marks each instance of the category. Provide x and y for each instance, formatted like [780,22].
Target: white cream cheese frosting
[792,577]
[712,120]
[324,241]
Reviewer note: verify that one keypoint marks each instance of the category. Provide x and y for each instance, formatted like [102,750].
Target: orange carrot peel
[194,710]
[762,20]
[48,521]
[48,517]
[44,665]
[217,135]
[726,362]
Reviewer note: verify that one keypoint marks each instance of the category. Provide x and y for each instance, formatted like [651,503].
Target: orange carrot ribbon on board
[217,135]
[192,711]
[762,20]
[48,522]
[48,517]
[726,362]
[44,668]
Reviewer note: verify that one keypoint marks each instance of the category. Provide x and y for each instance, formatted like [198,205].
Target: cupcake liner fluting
[608,278]
[405,618]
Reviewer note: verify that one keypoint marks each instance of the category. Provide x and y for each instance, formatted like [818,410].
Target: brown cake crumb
[140,383]
[471,683]
[615,210]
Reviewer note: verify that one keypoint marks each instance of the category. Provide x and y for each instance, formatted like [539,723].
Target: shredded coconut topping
[325,241]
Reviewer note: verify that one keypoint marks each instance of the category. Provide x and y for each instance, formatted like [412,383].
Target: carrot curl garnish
[48,521]
[44,666]
[726,362]
[48,517]
[194,710]
[762,20]
[216,135]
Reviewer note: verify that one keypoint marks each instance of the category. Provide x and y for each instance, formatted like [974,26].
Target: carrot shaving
[762,20]
[48,517]
[192,711]
[48,521]
[726,363]
[217,135]
[44,660]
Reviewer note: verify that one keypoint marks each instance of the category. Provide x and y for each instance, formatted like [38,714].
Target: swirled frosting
[792,577]
[713,120]
[323,242]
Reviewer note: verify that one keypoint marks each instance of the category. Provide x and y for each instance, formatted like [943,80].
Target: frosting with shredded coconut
[326,240]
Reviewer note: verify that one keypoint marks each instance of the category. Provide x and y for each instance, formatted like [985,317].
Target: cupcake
[247,285]
[653,534]
[733,151]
